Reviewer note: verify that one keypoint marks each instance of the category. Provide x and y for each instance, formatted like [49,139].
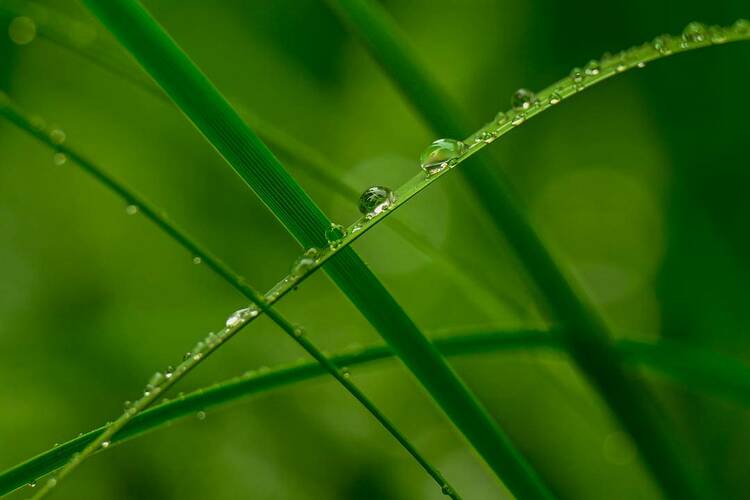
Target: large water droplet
[661,44]
[440,154]
[22,30]
[694,33]
[238,317]
[523,99]
[304,263]
[335,233]
[375,200]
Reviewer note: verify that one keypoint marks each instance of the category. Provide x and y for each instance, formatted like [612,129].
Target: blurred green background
[640,184]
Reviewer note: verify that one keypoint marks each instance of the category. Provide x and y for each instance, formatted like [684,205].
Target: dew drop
[346,373]
[694,33]
[576,75]
[501,118]
[661,44]
[32,484]
[555,97]
[59,159]
[375,200]
[335,233]
[105,444]
[592,68]
[238,317]
[523,99]
[298,331]
[169,371]
[197,260]
[447,490]
[155,381]
[51,482]
[518,119]
[131,209]
[641,64]
[201,415]
[22,30]
[717,34]
[742,27]
[487,137]
[440,154]
[127,404]
[57,136]
[304,263]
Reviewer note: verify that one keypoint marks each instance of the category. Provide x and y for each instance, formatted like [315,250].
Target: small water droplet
[303,264]
[641,64]
[555,97]
[298,331]
[335,233]
[32,484]
[742,27]
[694,33]
[57,136]
[661,44]
[239,316]
[51,482]
[487,137]
[446,490]
[592,68]
[440,154]
[523,99]
[375,200]
[518,119]
[201,415]
[155,381]
[717,34]
[22,30]
[186,356]
[197,260]
[127,404]
[169,371]
[501,118]
[105,444]
[346,373]
[576,74]
[131,209]
[59,159]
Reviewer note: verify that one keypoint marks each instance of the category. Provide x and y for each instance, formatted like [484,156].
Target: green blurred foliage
[640,184]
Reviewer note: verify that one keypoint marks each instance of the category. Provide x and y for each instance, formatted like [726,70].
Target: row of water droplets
[444,154]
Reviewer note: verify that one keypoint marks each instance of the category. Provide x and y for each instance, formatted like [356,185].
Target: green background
[640,185]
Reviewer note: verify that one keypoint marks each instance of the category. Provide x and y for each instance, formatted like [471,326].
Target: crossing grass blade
[714,374]
[201,102]
[588,337]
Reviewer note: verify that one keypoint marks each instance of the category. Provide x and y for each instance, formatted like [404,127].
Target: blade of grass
[158,217]
[589,337]
[253,161]
[54,27]
[714,374]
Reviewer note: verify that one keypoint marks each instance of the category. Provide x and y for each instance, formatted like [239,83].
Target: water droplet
[303,264]
[592,68]
[523,99]
[576,75]
[440,154]
[346,373]
[500,118]
[717,34]
[169,371]
[131,209]
[59,159]
[22,30]
[51,482]
[197,260]
[201,415]
[742,27]
[518,119]
[555,97]
[127,404]
[186,356]
[335,233]
[105,444]
[641,64]
[298,331]
[239,316]
[57,136]
[155,381]
[32,484]
[661,44]
[694,33]
[375,200]
[447,490]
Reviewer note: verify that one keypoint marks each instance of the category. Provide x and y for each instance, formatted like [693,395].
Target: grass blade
[158,217]
[252,160]
[713,373]
[589,337]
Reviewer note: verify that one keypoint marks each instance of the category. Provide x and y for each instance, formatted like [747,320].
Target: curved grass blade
[589,340]
[712,373]
[202,103]
[158,217]
[54,27]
